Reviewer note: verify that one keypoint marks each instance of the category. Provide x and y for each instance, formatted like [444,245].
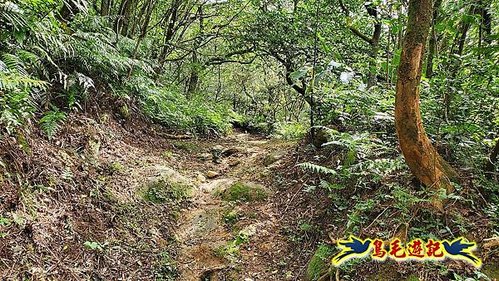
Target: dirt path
[214,233]
[124,202]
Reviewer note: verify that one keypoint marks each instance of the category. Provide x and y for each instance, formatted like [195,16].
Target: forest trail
[228,207]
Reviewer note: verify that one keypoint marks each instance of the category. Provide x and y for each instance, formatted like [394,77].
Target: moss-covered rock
[320,262]
[162,190]
[244,192]
[273,157]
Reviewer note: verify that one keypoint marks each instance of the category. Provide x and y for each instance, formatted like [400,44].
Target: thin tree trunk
[104,8]
[487,25]
[433,40]
[420,155]
[373,12]
[489,167]
[171,19]
[147,10]
[194,78]
[123,19]
[463,32]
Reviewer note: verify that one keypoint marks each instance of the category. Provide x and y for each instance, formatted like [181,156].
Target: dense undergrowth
[72,81]
[49,69]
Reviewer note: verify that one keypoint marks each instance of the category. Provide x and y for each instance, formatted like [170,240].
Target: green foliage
[165,269]
[363,161]
[50,123]
[95,246]
[16,109]
[162,191]
[320,262]
[116,167]
[230,251]
[190,147]
[404,200]
[172,109]
[291,130]
[245,192]
[267,66]
[231,217]
[4,221]
[317,168]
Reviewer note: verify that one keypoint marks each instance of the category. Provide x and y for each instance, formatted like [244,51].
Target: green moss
[412,278]
[319,262]
[491,270]
[125,111]
[187,146]
[167,154]
[230,251]
[161,191]
[116,167]
[245,192]
[272,158]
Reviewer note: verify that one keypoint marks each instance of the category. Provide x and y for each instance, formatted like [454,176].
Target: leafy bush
[290,130]
[171,108]
[363,160]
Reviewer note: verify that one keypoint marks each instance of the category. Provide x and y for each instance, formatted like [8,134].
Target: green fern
[12,16]
[307,166]
[50,123]
[13,81]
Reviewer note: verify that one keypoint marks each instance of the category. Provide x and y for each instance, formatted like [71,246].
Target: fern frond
[50,123]
[85,82]
[13,63]
[11,15]
[318,169]
[12,81]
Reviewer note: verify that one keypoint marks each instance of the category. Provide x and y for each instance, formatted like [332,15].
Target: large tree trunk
[420,155]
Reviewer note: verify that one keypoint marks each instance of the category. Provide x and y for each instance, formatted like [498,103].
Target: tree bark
[433,40]
[122,22]
[420,155]
[373,12]
[373,41]
[486,22]
[487,25]
[490,166]
[104,8]
[463,32]
[194,76]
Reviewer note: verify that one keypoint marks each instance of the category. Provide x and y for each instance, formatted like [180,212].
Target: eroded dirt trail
[215,230]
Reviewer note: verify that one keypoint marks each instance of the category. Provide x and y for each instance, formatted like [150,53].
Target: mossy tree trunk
[420,155]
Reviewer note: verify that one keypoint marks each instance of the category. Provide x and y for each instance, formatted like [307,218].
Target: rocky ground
[111,201]
[231,230]
[114,200]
